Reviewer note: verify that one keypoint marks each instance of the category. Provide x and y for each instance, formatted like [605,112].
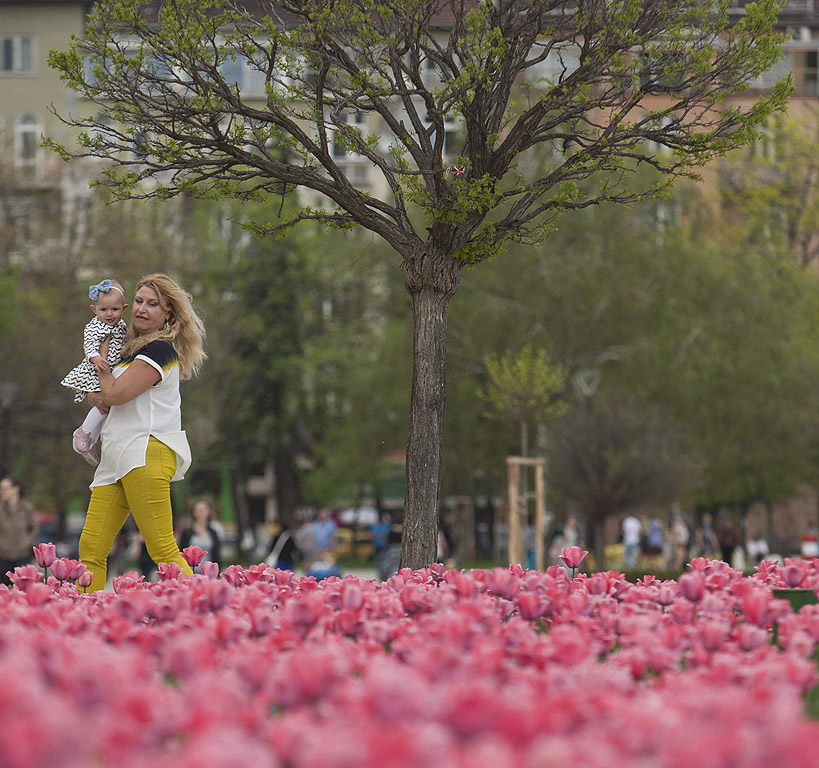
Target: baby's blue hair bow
[95,290]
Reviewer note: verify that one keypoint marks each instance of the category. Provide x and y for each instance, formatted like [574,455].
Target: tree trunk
[431,280]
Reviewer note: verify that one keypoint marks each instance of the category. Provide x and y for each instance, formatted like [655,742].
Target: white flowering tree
[254,99]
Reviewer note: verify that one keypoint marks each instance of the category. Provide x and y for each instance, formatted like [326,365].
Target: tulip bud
[193,555]
[692,586]
[59,568]
[45,554]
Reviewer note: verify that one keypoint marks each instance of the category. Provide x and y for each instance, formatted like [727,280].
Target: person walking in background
[380,533]
[107,324]
[283,551]
[726,535]
[758,548]
[202,532]
[809,546]
[681,539]
[143,446]
[632,530]
[705,538]
[18,528]
[323,530]
[655,540]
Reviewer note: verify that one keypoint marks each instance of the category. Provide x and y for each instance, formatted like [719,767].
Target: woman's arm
[139,378]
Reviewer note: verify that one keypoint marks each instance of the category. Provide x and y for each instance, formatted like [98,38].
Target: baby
[107,323]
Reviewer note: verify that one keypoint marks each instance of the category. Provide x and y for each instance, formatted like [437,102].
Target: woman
[18,528]
[143,446]
[201,532]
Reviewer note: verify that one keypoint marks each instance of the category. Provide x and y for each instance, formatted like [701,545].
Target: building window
[27,140]
[663,71]
[340,146]
[450,136]
[810,73]
[777,72]
[250,81]
[556,67]
[16,55]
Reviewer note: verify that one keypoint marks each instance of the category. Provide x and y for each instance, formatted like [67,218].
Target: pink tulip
[573,557]
[24,576]
[235,575]
[692,586]
[45,554]
[756,605]
[59,568]
[168,571]
[218,594]
[532,606]
[193,555]
[713,633]
[793,575]
[127,582]
[85,579]
[76,568]
[38,594]
[210,569]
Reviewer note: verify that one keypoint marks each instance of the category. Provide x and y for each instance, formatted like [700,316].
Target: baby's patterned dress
[84,377]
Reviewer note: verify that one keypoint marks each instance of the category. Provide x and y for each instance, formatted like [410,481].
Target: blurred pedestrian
[324,534]
[202,531]
[758,548]
[809,546]
[283,551]
[726,535]
[705,538]
[681,538]
[632,531]
[446,540]
[655,541]
[18,528]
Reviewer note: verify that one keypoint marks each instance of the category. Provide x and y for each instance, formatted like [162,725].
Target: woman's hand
[97,400]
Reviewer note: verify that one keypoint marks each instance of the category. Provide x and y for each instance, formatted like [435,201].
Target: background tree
[292,338]
[626,73]
[770,190]
[525,386]
[607,457]
[671,305]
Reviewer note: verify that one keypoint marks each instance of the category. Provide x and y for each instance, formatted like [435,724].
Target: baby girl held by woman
[107,323]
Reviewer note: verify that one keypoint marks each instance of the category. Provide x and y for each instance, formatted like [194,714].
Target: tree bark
[431,280]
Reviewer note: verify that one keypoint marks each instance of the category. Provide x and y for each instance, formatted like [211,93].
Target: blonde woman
[144,448]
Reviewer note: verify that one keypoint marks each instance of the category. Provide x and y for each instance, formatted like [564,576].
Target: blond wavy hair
[184,329]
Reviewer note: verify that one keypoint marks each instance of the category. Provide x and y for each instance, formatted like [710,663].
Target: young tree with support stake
[615,74]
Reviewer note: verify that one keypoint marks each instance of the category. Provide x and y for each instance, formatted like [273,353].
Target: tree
[771,189]
[604,78]
[690,317]
[609,457]
[524,386]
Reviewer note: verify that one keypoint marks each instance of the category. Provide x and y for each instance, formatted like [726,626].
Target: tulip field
[503,668]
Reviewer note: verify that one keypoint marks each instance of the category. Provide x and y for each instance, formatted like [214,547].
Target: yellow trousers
[145,493]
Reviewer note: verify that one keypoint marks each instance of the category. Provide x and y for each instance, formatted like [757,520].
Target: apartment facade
[30,93]
[37,190]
